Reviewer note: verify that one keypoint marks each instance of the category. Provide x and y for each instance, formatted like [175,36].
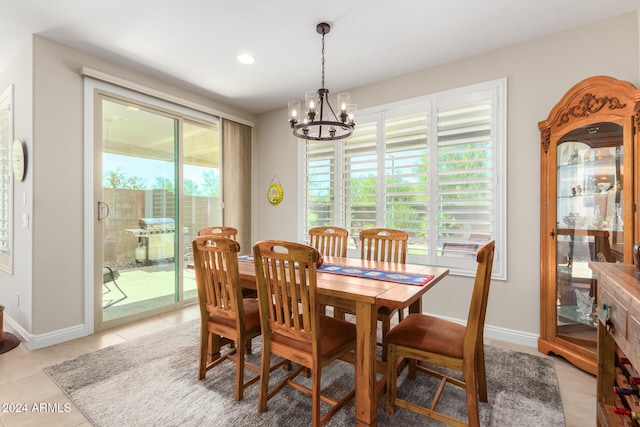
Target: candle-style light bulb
[293,108]
[312,106]
[343,107]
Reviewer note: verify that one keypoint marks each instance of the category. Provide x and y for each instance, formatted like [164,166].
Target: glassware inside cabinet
[589,223]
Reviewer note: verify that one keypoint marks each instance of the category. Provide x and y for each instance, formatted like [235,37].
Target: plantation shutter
[360,178]
[465,189]
[320,189]
[407,177]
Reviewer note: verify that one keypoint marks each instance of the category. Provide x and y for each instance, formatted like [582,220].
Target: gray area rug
[152,381]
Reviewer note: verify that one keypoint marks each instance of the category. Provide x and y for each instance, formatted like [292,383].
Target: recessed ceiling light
[245,58]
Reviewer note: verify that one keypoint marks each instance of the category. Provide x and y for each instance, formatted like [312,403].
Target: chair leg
[481,373]
[265,368]
[392,379]
[204,350]
[470,380]
[240,368]
[412,369]
[315,396]
[338,313]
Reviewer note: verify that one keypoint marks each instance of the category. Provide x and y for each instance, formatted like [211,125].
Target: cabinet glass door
[589,222]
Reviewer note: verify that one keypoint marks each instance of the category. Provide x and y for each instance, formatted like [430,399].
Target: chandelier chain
[322,60]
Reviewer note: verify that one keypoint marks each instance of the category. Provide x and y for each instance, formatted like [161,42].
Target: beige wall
[538,73]
[49,110]
[20,74]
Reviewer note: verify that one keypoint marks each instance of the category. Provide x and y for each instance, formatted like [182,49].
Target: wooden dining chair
[292,326]
[329,240]
[388,245]
[231,233]
[420,337]
[225,316]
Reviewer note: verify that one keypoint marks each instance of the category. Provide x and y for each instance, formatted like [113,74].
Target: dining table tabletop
[363,295]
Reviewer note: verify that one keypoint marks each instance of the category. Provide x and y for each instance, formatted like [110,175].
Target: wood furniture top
[363,296]
[619,288]
[373,291]
[618,305]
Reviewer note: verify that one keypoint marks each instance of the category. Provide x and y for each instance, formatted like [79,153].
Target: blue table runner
[369,273]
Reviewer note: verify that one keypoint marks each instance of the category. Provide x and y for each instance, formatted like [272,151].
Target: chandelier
[318,121]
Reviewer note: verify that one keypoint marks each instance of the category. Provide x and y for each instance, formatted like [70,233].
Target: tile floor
[24,386]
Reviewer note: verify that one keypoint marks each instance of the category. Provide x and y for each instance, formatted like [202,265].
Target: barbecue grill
[157,235]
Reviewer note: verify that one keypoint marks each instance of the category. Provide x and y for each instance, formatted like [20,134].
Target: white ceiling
[194,43]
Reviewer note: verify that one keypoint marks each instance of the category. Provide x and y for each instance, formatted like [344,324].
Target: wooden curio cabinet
[588,196]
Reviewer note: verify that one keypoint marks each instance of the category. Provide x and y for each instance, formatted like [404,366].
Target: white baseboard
[37,341]
[512,336]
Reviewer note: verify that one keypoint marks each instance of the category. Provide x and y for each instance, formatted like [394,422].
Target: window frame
[496,91]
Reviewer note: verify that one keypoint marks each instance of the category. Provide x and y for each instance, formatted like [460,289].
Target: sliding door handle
[103,210]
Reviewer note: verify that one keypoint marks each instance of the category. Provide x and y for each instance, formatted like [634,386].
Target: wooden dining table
[363,296]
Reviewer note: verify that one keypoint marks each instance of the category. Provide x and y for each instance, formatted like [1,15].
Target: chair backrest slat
[329,240]
[384,244]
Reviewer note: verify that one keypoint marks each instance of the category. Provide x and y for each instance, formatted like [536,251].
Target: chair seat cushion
[427,333]
[251,316]
[334,333]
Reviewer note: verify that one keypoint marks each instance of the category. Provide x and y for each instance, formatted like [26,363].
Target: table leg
[366,326]
[416,307]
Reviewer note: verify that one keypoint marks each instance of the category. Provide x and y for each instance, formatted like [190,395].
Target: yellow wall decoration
[275,193]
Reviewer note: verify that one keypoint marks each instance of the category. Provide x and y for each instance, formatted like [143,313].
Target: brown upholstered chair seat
[427,333]
[333,334]
[251,316]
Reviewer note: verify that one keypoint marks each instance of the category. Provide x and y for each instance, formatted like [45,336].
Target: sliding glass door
[159,184]
[202,189]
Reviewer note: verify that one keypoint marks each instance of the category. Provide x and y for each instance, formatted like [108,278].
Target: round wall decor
[275,193]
